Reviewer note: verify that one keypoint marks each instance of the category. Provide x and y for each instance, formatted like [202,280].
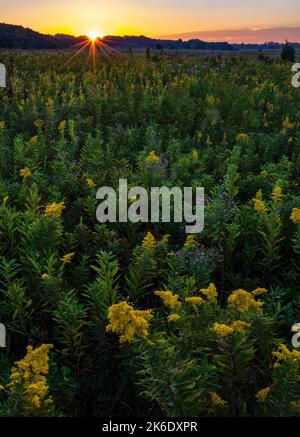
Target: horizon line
[253,35]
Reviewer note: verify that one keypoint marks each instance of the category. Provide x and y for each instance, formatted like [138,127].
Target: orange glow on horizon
[153,19]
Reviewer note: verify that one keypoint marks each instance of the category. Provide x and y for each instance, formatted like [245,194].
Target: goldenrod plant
[144,319]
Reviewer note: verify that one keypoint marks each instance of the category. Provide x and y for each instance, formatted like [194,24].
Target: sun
[92,35]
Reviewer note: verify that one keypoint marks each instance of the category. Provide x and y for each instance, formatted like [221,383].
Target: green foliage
[230,125]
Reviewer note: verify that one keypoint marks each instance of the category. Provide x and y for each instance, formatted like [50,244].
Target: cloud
[279,34]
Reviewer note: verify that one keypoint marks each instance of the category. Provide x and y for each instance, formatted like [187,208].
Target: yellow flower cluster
[217,401]
[259,291]
[210,292]
[173,317]
[33,140]
[25,172]
[287,124]
[239,325]
[259,206]
[39,123]
[242,300]
[45,277]
[262,395]
[29,375]
[149,241]
[210,99]
[196,300]
[295,216]
[208,141]
[224,330]
[90,183]
[195,154]
[2,125]
[277,194]
[54,210]
[169,299]
[128,322]
[221,329]
[283,354]
[152,158]
[190,241]
[62,126]
[243,138]
[66,259]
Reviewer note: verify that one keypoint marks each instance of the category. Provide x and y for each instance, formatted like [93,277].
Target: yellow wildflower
[243,138]
[239,325]
[36,401]
[33,140]
[39,123]
[196,300]
[90,182]
[152,158]
[242,301]
[210,292]
[173,317]
[2,125]
[262,395]
[62,126]
[45,276]
[149,241]
[276,194]
[295,216]
[25,172]
[259,206]
[217,401]
[166,238]
[208,141]
[195,154]
[54,210]
[283,354]
[128,322]
[170,300]
[210,99]
[30,373]
[287,124]
[221,329]
[190,241]
[50,105]
[259,291]
[67,258]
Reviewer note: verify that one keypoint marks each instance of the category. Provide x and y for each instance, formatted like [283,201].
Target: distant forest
[19,37]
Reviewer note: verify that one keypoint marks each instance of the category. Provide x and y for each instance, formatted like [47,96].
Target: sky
[156,17]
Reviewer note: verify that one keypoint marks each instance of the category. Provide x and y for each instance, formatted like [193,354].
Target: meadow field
[141,319]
